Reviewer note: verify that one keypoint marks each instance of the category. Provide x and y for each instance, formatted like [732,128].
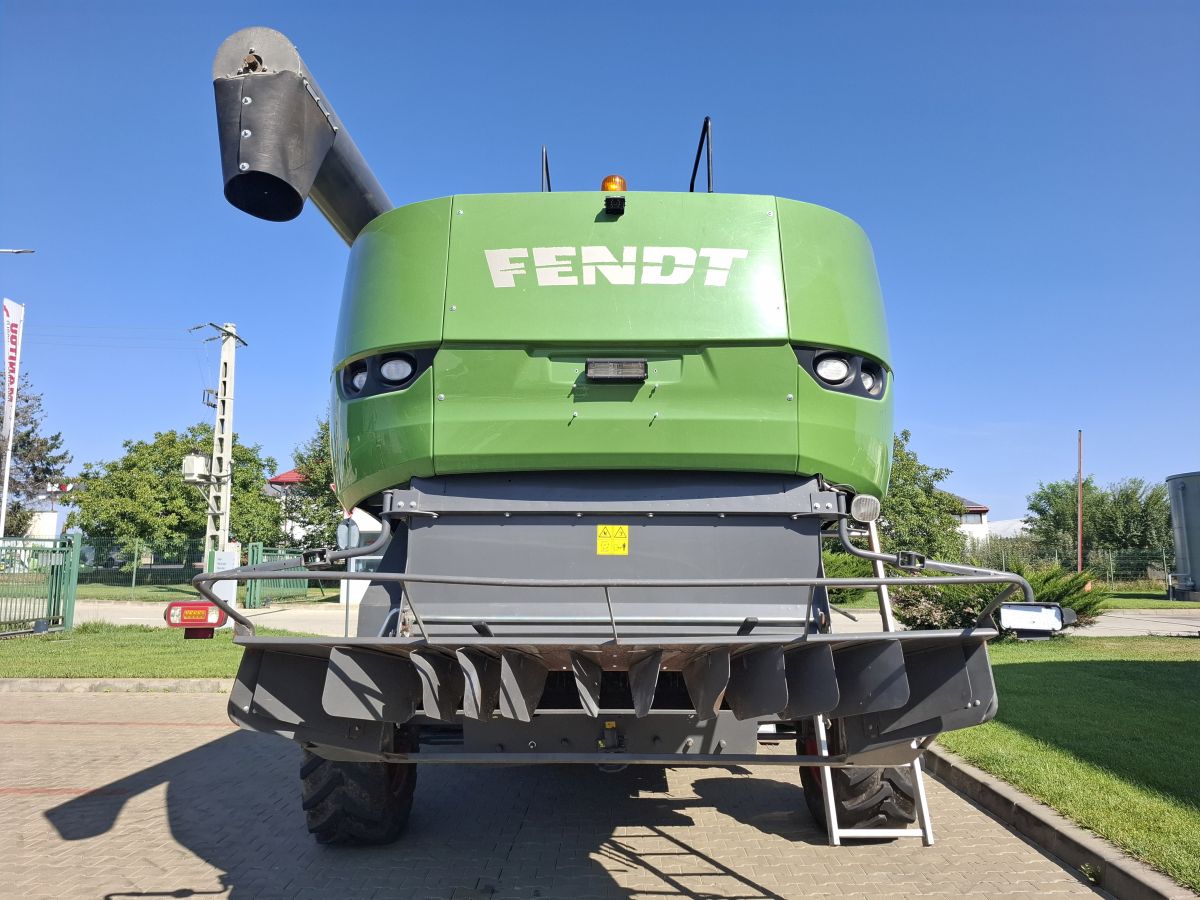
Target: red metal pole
[1079,509]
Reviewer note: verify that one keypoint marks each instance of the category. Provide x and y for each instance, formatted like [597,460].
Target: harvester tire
[863,798]
[356,803]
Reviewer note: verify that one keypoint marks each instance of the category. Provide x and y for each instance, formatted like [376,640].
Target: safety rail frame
[956,574]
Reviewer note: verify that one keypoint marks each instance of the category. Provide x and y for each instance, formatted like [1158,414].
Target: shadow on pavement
[550,832]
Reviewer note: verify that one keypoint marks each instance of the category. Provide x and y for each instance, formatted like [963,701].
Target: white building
[44,524]
[369,528]
[974,519]
[280,487]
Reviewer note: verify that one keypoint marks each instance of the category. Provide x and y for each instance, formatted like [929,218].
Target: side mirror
[348,534]
[1035,621]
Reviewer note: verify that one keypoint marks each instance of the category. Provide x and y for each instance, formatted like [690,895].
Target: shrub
[959,605]
[1052,584]
[843,565]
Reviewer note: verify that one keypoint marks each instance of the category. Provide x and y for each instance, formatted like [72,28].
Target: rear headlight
[872,379]
[175,615]
[356,377]
[397,370]
[844,372]
[393,370]
[833,369]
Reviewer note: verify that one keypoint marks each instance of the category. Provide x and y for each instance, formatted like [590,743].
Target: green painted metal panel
[70,580]
[527,286]
[845,438]
[539,269]
[395,282]
[516,408]
[382,441]
[833,293]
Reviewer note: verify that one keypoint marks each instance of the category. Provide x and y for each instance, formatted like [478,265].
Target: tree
[1127,515]
[1053,512]
[917,514]
[311,503]
[1134,515]
[37,458]
[142,495]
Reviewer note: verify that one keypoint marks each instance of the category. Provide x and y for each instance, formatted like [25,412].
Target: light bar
[629,371]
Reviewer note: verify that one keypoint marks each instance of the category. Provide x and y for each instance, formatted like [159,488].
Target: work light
[396,369]
[833,369]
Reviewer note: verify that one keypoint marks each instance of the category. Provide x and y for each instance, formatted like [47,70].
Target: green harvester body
[507,390]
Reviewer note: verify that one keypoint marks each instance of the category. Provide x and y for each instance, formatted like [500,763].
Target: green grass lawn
[854,599]
[1145,600]
[103,650]
[164,593]
[1106,731]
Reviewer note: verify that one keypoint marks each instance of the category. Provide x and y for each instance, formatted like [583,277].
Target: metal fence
[134,563]
[1127,565]
[129,563]
[37,584]
[273,590]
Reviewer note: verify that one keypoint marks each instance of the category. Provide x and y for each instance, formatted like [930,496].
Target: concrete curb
[115,685]
[1112,870]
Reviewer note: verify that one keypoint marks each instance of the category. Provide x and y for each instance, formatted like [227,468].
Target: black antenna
[546,170]
[705,138]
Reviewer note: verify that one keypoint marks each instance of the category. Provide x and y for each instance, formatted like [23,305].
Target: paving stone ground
[156,795]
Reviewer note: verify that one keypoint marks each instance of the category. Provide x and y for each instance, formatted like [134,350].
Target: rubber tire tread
[355,803]
[863,798]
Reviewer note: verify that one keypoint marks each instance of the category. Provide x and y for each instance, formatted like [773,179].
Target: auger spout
[282,141]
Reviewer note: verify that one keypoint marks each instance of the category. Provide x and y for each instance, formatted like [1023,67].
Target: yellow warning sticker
[612,540]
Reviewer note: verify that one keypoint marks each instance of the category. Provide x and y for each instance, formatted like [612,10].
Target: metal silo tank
[1184,491]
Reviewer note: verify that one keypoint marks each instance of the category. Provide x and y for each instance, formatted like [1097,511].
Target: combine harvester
[606,433]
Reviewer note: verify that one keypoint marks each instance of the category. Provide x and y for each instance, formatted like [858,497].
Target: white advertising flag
[14,324]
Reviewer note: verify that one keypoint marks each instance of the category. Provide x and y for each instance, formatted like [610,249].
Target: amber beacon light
[613,183]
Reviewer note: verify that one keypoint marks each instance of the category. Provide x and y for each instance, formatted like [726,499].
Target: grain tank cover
[282,141]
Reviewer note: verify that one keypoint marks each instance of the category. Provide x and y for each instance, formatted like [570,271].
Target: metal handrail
[204,581]
[956,574]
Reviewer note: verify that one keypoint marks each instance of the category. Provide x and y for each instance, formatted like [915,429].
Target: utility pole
[1079,508]
[220,480]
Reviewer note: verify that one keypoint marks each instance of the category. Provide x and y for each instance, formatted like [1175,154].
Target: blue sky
[1026,172]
